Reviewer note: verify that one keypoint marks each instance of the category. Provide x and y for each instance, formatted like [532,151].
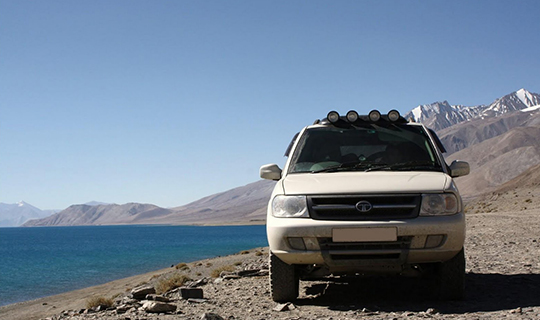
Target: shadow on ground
[484,292]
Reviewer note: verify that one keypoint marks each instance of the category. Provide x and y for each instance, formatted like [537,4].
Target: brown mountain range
[499,148]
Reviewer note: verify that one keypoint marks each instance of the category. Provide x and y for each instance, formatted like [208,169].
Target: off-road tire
[450,278]
[284,280]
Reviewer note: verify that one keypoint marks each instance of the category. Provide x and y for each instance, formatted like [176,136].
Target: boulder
[253,273]
[211,316]
[284,307]
[156,297]
[187,293]
[140,293]
[158,307]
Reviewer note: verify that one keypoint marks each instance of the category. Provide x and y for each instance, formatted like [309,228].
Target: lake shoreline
[76,300]
[42,262]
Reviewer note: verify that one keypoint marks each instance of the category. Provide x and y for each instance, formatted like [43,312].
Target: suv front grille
[382,207]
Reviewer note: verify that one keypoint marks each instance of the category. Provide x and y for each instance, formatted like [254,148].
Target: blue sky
[165,102]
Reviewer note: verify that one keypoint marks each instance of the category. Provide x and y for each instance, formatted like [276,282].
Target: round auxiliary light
[374,115]
[352,116]
[333,116]
[393,115]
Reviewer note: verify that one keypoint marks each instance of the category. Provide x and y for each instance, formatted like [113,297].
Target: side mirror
[270,172]
[459,168]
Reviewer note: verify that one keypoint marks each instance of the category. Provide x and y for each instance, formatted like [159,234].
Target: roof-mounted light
[352,116]
[393,115]
[333,116]
[374,115]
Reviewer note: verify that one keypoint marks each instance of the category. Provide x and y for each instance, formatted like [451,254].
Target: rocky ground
[503,282]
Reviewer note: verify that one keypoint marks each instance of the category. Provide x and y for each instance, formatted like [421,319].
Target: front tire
[284,280]
[451,278]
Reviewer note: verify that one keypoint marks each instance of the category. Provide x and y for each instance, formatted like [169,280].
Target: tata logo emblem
[364,206]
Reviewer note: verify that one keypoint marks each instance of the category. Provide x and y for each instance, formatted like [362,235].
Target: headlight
[289,207]
[444,204]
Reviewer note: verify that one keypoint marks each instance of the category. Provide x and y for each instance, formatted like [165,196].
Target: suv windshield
[369,148]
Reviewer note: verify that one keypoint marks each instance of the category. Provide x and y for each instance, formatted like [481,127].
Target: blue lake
[38,262]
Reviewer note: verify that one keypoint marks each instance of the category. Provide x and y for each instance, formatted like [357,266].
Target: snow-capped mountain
[440,115]
[518,100]
[13,215]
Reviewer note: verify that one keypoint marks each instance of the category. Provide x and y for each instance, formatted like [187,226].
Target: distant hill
[519,194]
[239,205]
[528,179]
[498,159]
[13,215]
[82,214]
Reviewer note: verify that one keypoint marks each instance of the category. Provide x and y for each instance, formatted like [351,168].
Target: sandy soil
[503,282]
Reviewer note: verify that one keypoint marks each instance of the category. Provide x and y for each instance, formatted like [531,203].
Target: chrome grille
[383,207]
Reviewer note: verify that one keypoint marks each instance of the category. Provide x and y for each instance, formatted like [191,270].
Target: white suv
[365,194]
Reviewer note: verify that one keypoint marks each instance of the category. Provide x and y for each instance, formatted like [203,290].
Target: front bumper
[419,240]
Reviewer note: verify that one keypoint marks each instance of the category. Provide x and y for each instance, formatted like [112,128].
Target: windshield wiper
[411,165]
[367,166]
[336,167]
[353,166]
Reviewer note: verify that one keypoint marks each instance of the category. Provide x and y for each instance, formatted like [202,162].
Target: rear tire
[450,278]
[284,280]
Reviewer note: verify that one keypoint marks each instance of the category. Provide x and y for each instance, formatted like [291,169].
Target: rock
[253,273]
[263,272]
[284,307]
[140,293]
[172,292]
[517,310]
[248,273]
[187,293]
[211,316]
[198,283]
[128,300]
[100,308]
[195,300]
[122,308]
[432,311]
[156,297]
[158,307]
[227,273]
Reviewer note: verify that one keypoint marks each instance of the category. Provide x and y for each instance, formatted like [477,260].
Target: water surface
[38,262]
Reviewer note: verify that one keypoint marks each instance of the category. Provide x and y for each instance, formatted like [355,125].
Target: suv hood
[366,182]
